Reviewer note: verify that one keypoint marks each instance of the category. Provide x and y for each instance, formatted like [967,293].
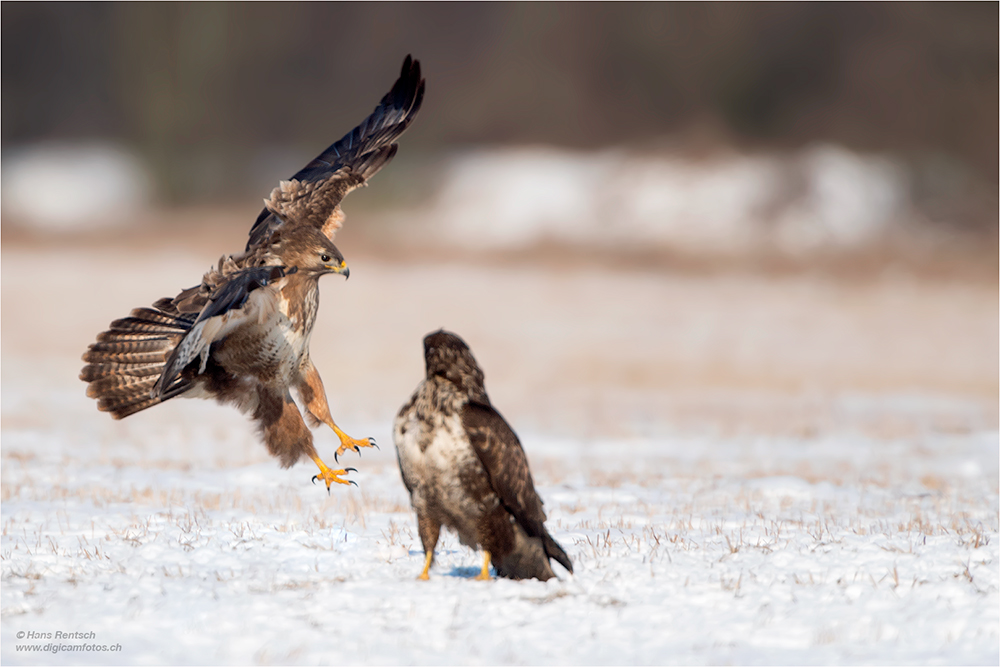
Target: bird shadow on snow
[467,572]
[463,572]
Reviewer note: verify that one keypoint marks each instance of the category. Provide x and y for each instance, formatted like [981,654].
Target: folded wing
[506,464]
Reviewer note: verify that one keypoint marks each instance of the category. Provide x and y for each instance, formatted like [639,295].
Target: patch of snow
[60,187]
[175,539]
[174,536]
[847,199]
[822,196]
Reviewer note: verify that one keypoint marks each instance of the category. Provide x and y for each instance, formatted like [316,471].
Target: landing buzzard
[242,335]
[465,469]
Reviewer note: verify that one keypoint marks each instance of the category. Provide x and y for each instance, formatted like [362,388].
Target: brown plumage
[465,468]
[242,335]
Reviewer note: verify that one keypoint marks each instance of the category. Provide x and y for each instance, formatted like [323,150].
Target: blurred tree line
[200,89]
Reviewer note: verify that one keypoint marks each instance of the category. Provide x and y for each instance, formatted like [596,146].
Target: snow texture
[685,551]
[172,538]
[177,539]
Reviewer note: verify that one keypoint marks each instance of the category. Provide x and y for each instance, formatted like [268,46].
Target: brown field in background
[575,342]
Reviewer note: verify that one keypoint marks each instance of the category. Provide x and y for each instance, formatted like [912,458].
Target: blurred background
[642,216]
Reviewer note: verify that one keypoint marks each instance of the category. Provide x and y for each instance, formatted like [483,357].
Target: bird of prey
[465,468]
[242,335]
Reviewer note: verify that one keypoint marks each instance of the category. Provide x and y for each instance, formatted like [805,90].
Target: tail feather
[124,350]
[120,409]
[126,361]
[528,556]
[93,372]
[113,386]
[553,550]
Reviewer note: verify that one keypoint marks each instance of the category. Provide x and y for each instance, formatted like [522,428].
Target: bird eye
[325,257]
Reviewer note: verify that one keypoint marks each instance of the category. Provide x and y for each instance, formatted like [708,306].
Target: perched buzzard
[465,469]
[242,335]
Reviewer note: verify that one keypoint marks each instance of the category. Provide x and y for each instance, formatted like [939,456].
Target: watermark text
[61,641]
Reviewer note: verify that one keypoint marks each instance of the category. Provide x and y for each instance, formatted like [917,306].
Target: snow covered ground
[743,470]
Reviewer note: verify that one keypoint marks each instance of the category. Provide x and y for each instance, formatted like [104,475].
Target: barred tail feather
[125,363]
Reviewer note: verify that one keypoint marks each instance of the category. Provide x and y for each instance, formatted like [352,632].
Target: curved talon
[347,442]
[330,476]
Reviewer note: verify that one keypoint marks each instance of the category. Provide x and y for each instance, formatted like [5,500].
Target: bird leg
[314,396]
[330,476]
[484,575]
[425,575]
[430,530]
[287,436]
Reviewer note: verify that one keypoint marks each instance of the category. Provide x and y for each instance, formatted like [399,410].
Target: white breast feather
[448,453]
[264,318]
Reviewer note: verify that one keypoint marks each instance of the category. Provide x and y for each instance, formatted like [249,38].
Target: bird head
[448,356]
[311,252]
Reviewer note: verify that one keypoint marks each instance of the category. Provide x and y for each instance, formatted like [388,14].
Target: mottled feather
[465,468]
[241,336]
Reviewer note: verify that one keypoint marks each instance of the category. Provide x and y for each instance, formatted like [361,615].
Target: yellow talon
[330,476]
[485,574]
[347,442]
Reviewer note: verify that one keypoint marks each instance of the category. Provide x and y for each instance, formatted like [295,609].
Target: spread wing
[224,309]
[314,193]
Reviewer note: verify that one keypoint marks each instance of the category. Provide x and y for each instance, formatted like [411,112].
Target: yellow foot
[347,442]
[424,576]
[484,575]
[332,476]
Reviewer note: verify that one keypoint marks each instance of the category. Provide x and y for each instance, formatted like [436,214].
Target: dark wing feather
[347,163]
[228,296]
[506,464]
[233,293]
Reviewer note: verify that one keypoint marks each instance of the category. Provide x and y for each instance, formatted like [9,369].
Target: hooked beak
[342,269]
